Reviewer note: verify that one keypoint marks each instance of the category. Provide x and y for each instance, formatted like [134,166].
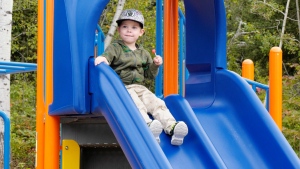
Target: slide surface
[238,126]
[221,136]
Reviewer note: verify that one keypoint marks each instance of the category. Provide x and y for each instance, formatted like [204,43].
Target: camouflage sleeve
[110,53]
[152,70]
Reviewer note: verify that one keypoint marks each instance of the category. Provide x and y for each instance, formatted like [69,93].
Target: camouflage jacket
[131,66]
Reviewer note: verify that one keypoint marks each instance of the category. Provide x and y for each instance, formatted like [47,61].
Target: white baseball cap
[131,14]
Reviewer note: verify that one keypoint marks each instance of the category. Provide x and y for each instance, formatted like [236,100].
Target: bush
[23,122]
[291,108]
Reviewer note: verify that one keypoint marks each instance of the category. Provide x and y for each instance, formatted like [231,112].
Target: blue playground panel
[228,125]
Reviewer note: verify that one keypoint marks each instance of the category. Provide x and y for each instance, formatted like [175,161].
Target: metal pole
[170,47]
[275,77]
[6,139]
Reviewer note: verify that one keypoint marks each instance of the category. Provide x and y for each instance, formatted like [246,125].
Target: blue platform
[228,125]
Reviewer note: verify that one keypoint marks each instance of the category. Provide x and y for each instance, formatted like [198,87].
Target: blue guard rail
[6,149]
[7,67]
[255,84]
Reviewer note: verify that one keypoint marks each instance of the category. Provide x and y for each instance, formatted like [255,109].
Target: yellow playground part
[70,154]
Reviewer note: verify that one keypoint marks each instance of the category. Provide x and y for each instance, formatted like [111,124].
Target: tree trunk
[284,22]
[298,18]
[5,47]
[114,25]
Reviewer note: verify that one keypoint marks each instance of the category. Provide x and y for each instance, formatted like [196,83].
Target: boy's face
[130,31]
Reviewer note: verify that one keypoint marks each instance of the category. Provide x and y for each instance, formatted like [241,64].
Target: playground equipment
[275,66]
[275,75]
[228,125]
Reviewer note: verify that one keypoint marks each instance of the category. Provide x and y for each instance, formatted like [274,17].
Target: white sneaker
[156,128]
[180,130]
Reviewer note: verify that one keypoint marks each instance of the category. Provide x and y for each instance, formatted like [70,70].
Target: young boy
[133,63]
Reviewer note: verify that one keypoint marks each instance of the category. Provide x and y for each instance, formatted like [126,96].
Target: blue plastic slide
[132,133]
[221,136]
[237,125]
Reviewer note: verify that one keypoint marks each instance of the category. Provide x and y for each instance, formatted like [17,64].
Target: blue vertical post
[100,40]
[6,139]
[181,52]
[267,99]
[159,37]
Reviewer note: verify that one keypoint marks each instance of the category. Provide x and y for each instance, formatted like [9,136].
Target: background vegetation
[253,27]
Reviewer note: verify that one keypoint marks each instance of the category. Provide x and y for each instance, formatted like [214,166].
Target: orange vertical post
[275,86]
[40,104]
[248,69]
[51,155]
[170,47]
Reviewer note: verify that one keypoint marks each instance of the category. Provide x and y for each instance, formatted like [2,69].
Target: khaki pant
[147,102]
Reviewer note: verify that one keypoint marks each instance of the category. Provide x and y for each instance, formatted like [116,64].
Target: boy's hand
[99,60]
[157,60]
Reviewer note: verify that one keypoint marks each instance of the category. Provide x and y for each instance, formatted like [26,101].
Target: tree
[265,25]
[5,47]
[284,22]
[114,25]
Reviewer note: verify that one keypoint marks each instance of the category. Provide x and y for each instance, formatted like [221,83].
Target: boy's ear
[142,32]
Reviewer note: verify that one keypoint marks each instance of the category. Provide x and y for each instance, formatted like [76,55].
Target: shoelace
[173,127]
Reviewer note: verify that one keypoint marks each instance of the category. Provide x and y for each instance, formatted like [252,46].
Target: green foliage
[254,27]
[23,86]
[291,108]
[24,33]
[267,11]
[23,103]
